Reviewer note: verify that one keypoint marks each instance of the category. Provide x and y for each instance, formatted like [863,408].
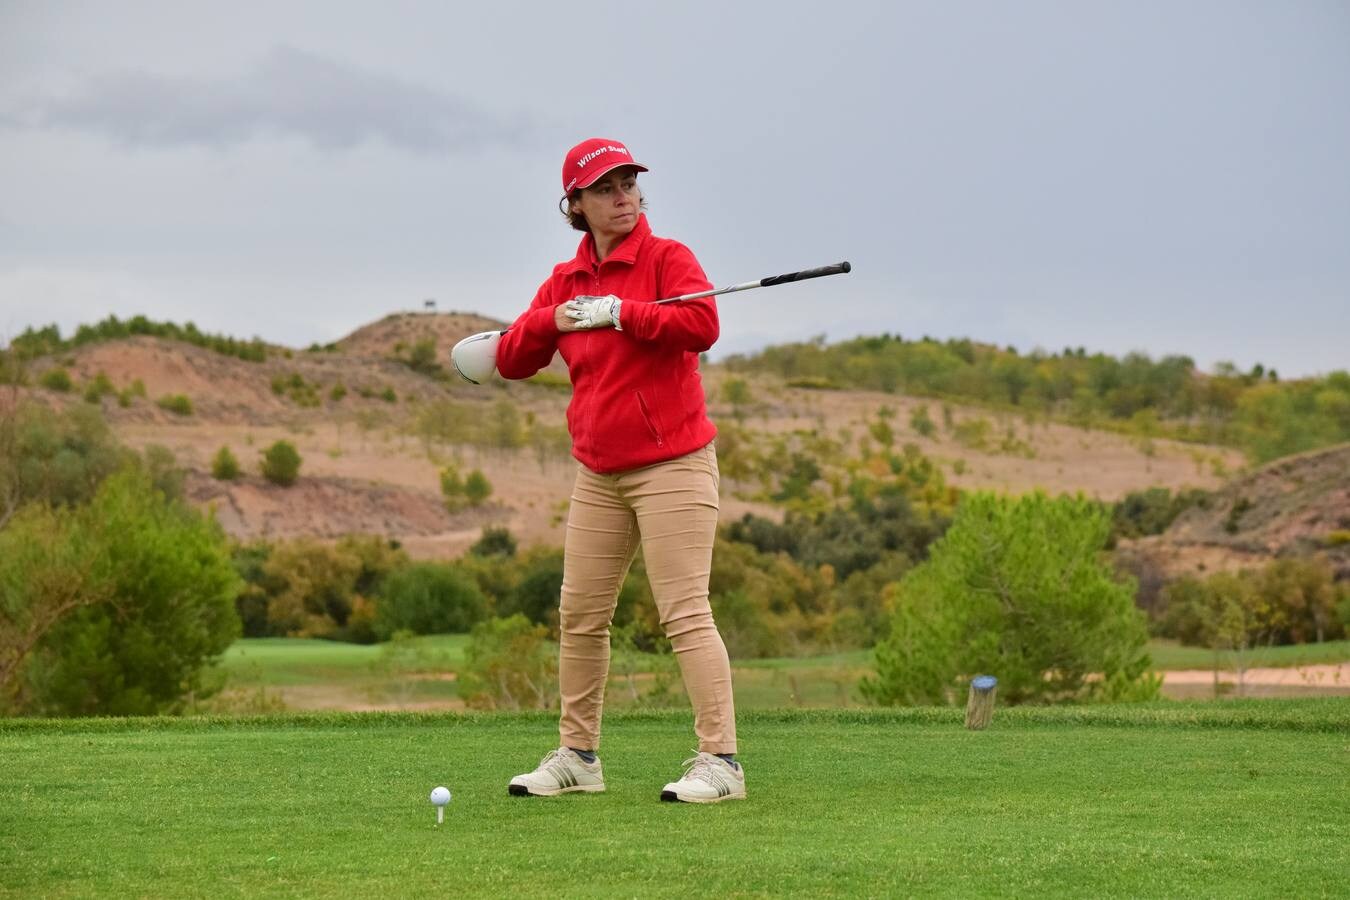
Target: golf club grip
[837,269]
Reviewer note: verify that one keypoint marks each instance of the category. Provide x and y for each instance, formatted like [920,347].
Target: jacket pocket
[652,425]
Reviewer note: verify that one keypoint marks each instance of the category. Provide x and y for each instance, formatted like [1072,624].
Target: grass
[276,662]
[1232,798]
[271,674]
[1171,655]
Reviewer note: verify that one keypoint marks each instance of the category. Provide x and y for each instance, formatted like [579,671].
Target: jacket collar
[626,252]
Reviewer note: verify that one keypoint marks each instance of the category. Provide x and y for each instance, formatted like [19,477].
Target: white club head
[475,357]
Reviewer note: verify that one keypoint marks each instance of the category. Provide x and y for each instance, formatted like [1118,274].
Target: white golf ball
[440,796]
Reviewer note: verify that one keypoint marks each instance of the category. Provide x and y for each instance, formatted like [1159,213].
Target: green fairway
[280,674]
[1171,655]
[1229,798]
[283,661]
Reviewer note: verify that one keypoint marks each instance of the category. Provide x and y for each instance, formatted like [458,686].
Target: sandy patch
[1318,676]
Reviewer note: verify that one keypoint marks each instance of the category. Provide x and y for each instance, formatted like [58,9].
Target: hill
[375,433]
[397,331]
[1293,506]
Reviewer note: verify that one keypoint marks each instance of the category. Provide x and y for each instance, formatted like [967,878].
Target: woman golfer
[648,470]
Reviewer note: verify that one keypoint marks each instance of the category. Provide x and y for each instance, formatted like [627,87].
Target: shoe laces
[555,760]
[697,768]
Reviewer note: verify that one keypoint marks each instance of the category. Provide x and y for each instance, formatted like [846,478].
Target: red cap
[590,159]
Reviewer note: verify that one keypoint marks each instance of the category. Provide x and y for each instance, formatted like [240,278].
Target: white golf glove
[595,312]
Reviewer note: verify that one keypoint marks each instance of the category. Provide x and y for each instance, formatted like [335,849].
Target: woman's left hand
[594,312]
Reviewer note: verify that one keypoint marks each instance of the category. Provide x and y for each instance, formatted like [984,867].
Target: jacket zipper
[647,417]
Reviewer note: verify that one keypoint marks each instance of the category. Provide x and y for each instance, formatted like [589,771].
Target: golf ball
[440,796]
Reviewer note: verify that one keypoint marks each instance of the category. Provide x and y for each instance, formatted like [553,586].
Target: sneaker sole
[672,797]
[520,790]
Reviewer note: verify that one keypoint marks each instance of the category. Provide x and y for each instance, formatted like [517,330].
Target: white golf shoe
[560,772]
[707,779]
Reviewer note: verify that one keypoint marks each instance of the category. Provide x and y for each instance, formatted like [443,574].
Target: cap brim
[601,173]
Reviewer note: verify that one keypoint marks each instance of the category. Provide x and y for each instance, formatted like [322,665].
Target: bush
[494,542]
[1152,511]
[537,593]
[178,404]
[477,488]
[1289,601]
[509,664]
[428,598]
[920,421]
[315,589]
[100,387]
[281,463]
[224,466]
[1015,589]
[169,608]
[57,379]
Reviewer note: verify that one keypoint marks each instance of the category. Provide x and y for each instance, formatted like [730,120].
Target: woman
[648,470]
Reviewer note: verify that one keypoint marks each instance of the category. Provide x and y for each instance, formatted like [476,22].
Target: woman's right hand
[563,320]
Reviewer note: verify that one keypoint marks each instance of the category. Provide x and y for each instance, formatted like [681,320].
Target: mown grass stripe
[1326,715]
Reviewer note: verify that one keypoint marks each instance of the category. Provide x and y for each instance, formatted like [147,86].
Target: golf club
[475,357]
[842,268]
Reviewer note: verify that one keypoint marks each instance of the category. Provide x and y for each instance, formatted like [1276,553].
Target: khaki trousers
[670,508]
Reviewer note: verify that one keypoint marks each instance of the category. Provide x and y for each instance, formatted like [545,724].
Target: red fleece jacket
[637,398]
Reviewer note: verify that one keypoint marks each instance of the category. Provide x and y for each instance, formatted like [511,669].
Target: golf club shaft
[837,269]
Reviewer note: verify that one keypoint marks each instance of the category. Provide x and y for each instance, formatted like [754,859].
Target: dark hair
[577,220]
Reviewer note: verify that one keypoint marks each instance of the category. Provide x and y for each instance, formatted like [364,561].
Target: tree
[1016,588]
[281,463]
[1232,616]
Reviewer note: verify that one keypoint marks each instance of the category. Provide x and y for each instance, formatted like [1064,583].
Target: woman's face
[611,204]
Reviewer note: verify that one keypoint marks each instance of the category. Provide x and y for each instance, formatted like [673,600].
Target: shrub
[1151,511]
[1015,589]
[281,463]
[494,542]
[224,465]
[920,421]
[428,598]
[477,488]
[178,404]
[509,664]
[169,611]
[388,395]
[100,387]
[973,433]
[57,379]
[452,488]
[736,392]
[539,589]
[314,589]
[338,392]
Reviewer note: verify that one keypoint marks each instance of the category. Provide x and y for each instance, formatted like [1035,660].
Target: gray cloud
[289,93]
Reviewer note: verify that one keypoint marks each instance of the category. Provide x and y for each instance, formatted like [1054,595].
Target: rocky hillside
[1295,506]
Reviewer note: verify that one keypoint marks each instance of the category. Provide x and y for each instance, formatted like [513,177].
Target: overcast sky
[1156,176]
